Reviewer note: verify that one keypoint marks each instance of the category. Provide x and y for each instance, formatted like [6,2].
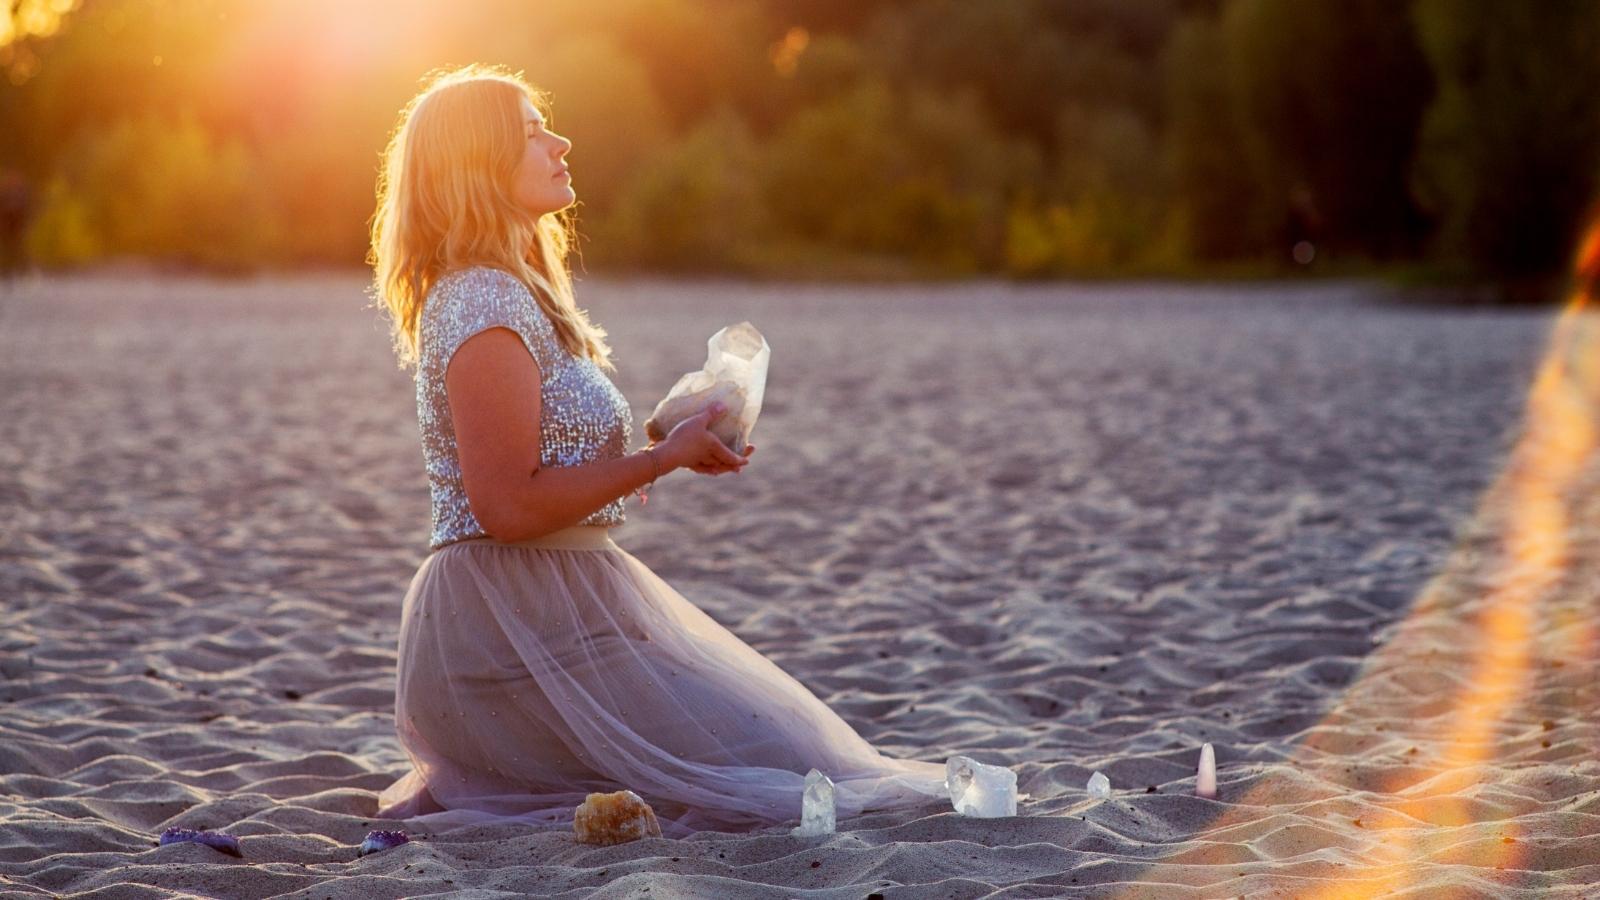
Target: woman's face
[541,183]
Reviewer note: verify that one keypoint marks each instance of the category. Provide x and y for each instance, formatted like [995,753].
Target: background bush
[825,137]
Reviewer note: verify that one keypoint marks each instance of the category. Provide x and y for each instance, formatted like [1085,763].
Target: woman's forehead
[530,112]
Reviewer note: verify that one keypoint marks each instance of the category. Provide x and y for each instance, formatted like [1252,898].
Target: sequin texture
[583,418]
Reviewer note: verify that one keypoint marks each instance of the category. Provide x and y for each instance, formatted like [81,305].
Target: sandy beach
[1063,528]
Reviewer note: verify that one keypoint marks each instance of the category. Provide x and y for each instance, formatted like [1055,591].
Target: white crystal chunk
[1205,782]
[980,790]
[816,806]
[1099,786]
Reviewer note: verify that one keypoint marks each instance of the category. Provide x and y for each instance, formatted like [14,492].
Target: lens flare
[1487,663]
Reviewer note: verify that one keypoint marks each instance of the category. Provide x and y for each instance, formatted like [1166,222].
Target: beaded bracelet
[655,472]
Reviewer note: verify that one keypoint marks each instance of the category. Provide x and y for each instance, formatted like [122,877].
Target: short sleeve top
[583,418]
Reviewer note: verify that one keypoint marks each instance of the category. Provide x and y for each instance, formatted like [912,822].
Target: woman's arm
[492,385]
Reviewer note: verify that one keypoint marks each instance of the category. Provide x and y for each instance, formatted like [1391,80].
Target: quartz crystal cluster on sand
[614,818]
[980,790]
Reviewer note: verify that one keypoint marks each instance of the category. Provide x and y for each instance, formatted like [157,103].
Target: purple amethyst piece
[218,840]
[382,840]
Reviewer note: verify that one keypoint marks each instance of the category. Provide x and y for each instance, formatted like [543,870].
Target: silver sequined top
[583,418]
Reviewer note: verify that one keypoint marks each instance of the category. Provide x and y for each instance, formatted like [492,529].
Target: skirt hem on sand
[533,674]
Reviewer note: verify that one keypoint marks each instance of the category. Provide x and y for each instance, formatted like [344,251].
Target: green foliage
[1206,147]
[604,102]
[1105,205]
[61,233]
[158,188]
[1109,167]
[699,56]
[1020,68]
[1511,149]
[881,171]
[1056,240]
[1332,95]
[693,203]
[878,137]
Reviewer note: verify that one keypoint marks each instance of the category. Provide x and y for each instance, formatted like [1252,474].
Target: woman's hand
[719,469]
[691,446]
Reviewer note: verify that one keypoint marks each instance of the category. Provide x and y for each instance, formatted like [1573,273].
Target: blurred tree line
[838,137]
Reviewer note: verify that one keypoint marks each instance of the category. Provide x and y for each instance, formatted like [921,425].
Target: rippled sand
[1058,528]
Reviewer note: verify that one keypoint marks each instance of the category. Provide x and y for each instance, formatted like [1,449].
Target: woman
[538,661]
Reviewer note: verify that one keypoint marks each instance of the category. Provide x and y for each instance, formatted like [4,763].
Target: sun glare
[1500,632]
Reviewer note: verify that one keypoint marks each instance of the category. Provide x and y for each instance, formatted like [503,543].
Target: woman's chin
[553,204]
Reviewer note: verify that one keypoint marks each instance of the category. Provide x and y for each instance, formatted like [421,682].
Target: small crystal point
[1205,783]
[980,790]
[378,841]
[816,807]
[217,840]
[1099,786]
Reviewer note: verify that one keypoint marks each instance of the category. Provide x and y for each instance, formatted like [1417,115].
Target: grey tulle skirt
[531,674]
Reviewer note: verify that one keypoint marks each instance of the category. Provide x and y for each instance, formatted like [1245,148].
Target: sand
[1061,528]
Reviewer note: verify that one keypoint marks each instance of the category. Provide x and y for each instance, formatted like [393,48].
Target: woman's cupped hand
[691,446]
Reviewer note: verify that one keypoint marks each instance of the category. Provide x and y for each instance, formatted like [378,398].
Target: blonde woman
[538,661]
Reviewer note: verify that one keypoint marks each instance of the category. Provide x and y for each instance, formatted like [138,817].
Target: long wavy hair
[445,202]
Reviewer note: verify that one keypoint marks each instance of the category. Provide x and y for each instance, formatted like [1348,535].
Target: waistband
[577,537]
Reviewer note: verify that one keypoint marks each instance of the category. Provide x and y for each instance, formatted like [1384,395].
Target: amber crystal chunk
[614,818]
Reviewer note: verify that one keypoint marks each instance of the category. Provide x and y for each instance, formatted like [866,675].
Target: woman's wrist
[663,457]
[658,468]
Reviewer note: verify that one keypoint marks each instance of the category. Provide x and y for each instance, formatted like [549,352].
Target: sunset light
[1178,428]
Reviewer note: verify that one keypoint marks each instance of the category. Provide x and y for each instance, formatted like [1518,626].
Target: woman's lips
[564,172]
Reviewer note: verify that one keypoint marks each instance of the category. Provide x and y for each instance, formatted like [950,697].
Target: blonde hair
[445,202]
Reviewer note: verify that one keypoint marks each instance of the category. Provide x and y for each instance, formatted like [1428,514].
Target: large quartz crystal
[1099,786]
[980,790]
[735,375]
[614,818]
[816,806]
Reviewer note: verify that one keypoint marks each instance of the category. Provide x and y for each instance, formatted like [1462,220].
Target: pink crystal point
[1205,783]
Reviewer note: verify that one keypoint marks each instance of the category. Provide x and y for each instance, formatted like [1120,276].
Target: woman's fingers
[725,456]
[720,459]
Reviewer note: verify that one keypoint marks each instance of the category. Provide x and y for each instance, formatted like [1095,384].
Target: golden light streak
[1559,439]
[1495,622]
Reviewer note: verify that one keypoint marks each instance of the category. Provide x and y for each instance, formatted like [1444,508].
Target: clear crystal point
[980,790]
[816,806]
[1099,786]
[1205,783]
